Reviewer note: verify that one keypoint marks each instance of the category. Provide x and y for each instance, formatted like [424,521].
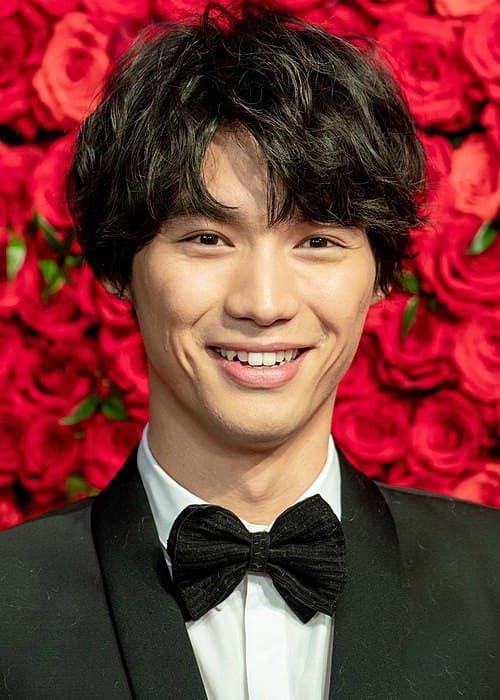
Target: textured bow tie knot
[211,551]
[259,552]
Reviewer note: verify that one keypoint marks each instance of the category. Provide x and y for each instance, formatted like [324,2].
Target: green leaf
[113,407]
[49,270]
[409,315]
[16,255]
[53,276]
[411,283]
[55,286]
[76,485]
[49,233]
[484,238]
[85,409]
[432,304]
[73,260]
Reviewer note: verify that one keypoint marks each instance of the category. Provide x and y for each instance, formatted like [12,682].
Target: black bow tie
[211,551]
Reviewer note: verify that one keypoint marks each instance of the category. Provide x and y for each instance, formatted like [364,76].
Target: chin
[259,436]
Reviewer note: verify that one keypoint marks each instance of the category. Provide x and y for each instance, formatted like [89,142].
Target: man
[248,183]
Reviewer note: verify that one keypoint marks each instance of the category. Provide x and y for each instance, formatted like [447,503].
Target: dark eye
[320,242]
[206,239]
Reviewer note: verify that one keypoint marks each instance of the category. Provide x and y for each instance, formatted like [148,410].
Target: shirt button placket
[266,648]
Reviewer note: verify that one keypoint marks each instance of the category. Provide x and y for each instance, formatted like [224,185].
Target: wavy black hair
[331,123]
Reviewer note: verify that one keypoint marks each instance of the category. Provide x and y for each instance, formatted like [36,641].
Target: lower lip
[264,377]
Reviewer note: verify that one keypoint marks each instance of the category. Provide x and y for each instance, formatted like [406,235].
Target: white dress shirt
[251,646]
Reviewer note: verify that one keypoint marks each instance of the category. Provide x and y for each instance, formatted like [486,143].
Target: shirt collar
[167,498]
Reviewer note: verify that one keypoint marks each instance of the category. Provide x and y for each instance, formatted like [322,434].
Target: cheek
[172,296]
[342,296]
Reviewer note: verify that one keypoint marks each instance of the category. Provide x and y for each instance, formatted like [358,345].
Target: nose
[263,288]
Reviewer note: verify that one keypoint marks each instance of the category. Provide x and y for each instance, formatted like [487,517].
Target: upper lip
[255,347]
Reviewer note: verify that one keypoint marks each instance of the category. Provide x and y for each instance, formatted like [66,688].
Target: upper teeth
[259,358]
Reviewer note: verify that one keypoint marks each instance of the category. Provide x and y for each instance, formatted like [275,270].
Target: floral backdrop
[420,406]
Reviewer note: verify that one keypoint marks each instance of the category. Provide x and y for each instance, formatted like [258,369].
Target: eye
[321,242]
[208,239]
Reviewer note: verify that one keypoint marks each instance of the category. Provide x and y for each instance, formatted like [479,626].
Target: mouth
[259,359]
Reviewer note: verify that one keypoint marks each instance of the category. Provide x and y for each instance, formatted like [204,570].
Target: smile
[260,370]
[259,359]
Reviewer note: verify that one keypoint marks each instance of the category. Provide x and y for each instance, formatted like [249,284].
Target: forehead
[235,172]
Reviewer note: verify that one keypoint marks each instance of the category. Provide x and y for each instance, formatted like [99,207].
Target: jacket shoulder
[46,539]
[444,533]
[436,508]
[55,628]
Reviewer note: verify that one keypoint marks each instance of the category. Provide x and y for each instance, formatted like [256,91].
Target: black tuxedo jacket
[87,612]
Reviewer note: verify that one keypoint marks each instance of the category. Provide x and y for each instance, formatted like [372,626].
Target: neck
[257,481]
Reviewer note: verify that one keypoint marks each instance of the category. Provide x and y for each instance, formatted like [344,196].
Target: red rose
[14,84]
[55,375]
[466,284]
[56,7]
[81,281]
[15,201]
[118,9]
[381,9]
[114,313]
[481,48]
[398,475]
[445,436]
[36,29]
[12,427]
[372,431]
[48,181]
[51,453]
[421,360]
[62,316]
[490,119]
[121,35]
[483,487]
[295,6]
[426,56]
[125,358]
[106,447]
[14,101]
[12,50]
[461,8]
[72,70]
[477,356]
[475,178]
[15,293]
[491,435]
[438,151]
[10,514]
[12,351]
[360,378]
[440,194]
[180,9]
[138,409]
[378,313]
[8,7]
[342,20]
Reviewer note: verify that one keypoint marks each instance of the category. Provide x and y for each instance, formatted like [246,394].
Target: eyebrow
[231,215]
[181,213]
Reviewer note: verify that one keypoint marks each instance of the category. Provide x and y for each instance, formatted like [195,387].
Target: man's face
[239,285]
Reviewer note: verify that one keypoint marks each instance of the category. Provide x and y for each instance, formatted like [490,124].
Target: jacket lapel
[149,625]
[150,629]
[369,615]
